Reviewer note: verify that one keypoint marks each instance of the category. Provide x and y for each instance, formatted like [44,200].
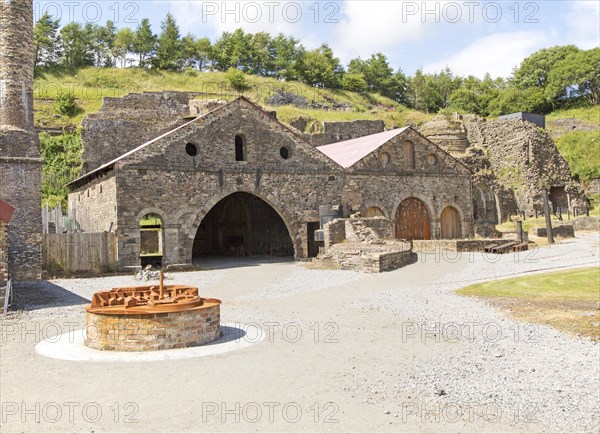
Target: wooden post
[548,220]
[520,231]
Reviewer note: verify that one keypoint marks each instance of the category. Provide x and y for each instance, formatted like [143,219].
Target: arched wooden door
[412,220]
[450,223]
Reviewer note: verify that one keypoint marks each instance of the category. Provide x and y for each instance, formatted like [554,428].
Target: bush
[237,79]
[66,105]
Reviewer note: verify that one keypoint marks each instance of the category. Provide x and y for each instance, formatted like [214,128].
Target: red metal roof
[6,211]
[349,152]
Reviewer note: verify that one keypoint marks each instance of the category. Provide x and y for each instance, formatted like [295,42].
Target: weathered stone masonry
[161,178]
[20,162]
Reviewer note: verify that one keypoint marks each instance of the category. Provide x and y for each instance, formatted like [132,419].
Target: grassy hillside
[576,131]
[90,85]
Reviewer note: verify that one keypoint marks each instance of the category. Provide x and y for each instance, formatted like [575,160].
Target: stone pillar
[16,67]
[20,162]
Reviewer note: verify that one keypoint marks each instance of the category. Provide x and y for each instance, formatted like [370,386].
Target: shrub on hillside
[65,104]
[237,79]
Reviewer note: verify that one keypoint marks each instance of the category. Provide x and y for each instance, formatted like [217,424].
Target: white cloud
[497,54]
[582,20]
[370,26]
[252,16]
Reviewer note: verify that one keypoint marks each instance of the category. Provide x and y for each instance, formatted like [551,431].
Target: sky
[469,37]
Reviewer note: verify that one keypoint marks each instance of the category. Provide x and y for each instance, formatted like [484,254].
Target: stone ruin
[364,244]
[511,160]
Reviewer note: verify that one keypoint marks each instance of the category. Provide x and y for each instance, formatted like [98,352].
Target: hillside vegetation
[88,86]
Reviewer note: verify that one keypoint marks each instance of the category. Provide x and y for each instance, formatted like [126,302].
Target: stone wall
[563,231]
[334,232]
[3,261]
[122,124]
[448,133]
[587,224]
[512,158]
[440,246]
[95,206]
[151,332]
[20,162]
[339,131]
[523,157]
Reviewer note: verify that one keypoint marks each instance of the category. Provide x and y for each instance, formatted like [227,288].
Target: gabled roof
[349,152]
[107,166]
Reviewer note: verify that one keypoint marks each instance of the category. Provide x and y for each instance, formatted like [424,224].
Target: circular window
[284,152]
[191,150]
[432,160]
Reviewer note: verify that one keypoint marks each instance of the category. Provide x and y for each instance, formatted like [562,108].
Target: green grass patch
[91,85]
[581,149]
[590,114]
[566,300]
[580,284]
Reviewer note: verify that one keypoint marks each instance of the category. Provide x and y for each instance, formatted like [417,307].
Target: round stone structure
[151,318]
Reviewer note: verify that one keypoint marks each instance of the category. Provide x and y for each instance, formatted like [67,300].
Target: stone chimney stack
[20,162]
[16,65]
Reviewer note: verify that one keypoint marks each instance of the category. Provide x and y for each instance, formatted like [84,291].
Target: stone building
[20,162]
[235,180]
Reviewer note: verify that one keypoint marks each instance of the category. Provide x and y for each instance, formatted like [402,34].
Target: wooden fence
[79,251]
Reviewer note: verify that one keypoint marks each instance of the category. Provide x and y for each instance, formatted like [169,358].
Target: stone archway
[450,224]
[242,224]
[412,220]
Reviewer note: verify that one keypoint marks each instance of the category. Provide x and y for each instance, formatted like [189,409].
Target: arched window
[151,240]
[240,148]
[409,154]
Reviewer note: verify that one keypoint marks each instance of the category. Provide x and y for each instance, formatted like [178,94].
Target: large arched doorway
[242,224]
[450,224]
[412,220]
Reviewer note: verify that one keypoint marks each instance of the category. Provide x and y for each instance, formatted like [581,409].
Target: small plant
[66,105]
[237,79]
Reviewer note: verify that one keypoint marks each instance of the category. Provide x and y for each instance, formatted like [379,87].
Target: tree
[261,53]
[122,45]
[103,41]
[377,73]
[576,76]
[354,82]
[232,50]
[76,45]
[320,68]
[169,47]
[202,53]
[513,100]
[287,53]
[534,70]
[45,35]
[144,42]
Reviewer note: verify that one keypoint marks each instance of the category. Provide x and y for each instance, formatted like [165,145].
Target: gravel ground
[392,352]
[520,371]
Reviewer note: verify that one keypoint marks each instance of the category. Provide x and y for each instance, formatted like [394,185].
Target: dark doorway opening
[313,246]
[242,225]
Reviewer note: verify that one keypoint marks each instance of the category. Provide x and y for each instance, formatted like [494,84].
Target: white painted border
[70,346]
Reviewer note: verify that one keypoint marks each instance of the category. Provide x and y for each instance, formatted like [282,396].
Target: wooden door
[374,212]
[450,224]
[412,220]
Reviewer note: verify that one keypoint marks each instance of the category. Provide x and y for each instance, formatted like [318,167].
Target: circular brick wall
[155,331]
